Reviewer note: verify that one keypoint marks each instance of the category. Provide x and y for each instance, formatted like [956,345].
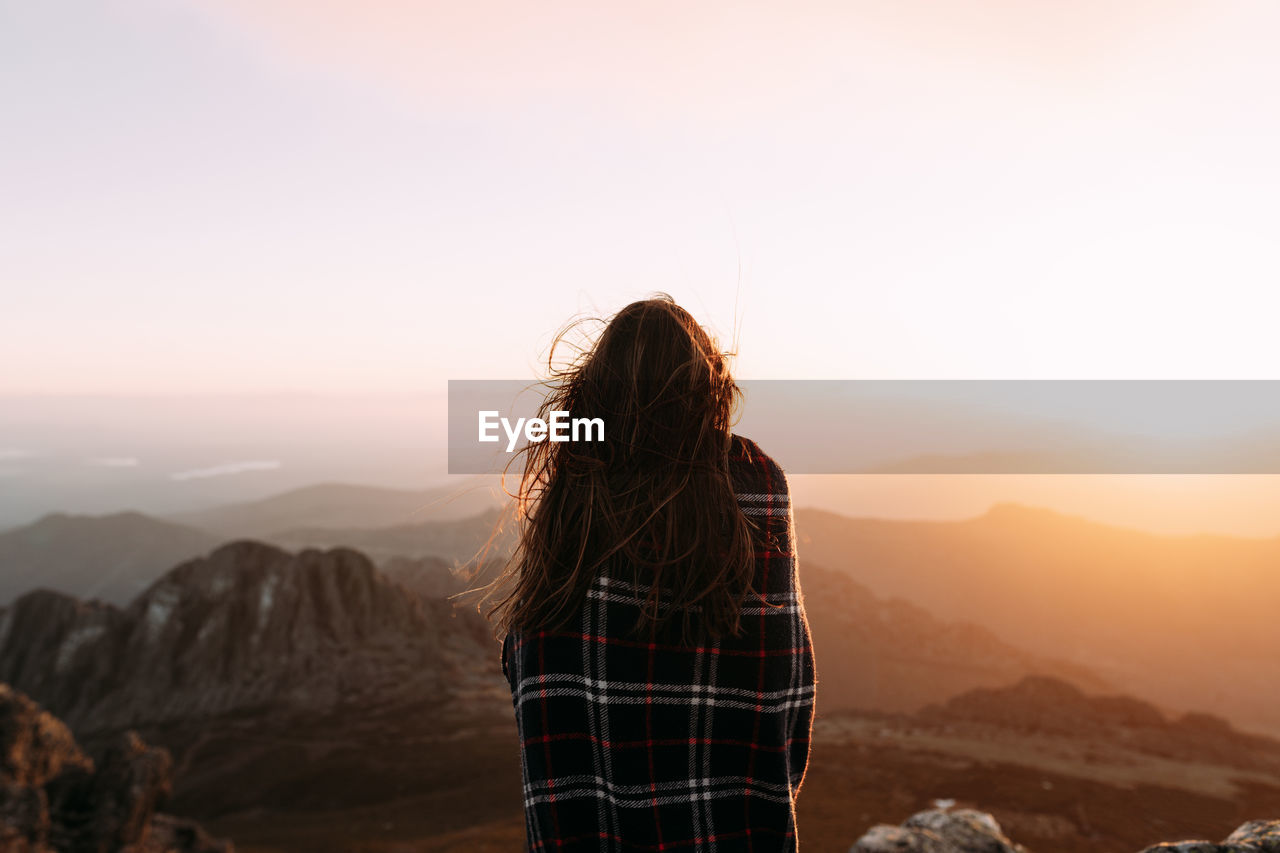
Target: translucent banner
[933,426]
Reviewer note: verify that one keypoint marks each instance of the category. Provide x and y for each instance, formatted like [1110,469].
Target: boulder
[969,831]
[1255,836]
[939,831]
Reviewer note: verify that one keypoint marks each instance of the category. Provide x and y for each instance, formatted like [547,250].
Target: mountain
[438,578]
[896,656]
[311,701]
[246,627]
[889,655]
[111,557]
[281,683]
[114,557]
[344,505]
[1187,621]
[430,577]
[460,542]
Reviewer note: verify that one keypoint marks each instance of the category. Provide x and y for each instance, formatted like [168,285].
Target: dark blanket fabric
[629,744]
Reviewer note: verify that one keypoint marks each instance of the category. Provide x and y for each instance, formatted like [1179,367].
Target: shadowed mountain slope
[896,656]
[1188,621]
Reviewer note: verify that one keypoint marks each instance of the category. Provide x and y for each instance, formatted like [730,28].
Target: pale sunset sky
[307,201]
[277,195]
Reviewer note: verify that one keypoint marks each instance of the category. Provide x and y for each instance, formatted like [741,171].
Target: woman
[656,643]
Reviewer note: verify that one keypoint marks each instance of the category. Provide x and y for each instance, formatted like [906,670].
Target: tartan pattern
[634,744]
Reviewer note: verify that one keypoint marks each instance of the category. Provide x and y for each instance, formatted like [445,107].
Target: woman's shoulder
[755,471]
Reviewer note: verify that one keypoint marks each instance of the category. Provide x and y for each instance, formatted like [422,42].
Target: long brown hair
[653,503]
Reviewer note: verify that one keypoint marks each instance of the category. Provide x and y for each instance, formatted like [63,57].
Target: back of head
[653,502]
[661,385]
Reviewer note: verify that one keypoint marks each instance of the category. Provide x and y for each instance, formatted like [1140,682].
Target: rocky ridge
[247,627]
[1041,704]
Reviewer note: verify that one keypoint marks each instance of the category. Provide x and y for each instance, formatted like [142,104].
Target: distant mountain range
[111,557]
[341,506]
[114,557]
[253,625]
[1188,621]
[463,541]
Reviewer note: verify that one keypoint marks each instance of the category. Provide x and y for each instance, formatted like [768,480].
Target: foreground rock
[970,831]
[53,797]
[939,831]
[1256,836]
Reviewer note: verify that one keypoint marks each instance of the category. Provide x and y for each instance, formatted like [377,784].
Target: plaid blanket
[629,745]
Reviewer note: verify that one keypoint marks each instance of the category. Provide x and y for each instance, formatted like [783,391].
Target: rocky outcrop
[54,798]
[939,831]
[247,627]
[1042,704]
[1256,836]
[971,831]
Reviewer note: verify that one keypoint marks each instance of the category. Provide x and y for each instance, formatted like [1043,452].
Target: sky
[262,235]
[250,196]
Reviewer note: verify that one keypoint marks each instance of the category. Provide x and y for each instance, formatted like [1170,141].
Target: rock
[52,798]
[885,838]
[1262,834]
[115,804]
[34,746]
[1255,836]
[964,829]
[24,818]
[971,831]
[249,626]
[169,834]
[1200,847]
[939,831]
